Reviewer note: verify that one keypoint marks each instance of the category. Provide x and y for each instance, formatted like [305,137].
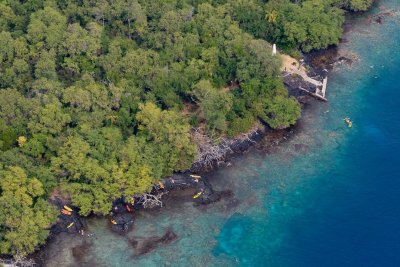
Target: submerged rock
[79,252]
[147,245]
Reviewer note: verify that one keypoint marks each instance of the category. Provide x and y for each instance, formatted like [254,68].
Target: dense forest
[98,98]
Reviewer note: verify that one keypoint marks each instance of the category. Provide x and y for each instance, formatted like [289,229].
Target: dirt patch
[289,63]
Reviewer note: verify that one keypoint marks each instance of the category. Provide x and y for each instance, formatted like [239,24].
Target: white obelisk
[274,49]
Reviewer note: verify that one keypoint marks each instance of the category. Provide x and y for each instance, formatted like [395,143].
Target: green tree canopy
[24,216]
[312,24]
[214,105]
[170,131]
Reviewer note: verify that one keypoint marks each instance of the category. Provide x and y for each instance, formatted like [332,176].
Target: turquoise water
[330,196]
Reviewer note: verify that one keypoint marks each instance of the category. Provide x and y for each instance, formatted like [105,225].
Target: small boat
[67,208]
[69,225]
[66,212]
[128,208]
[198,194]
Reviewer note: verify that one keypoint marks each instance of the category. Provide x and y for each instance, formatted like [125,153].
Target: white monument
[274,49]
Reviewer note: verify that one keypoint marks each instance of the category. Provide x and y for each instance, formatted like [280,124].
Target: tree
[139,65]
[46,29]
[309,25]
[6,48]
[14,69]
[214,105]
[88,183]
[46,65]
[170,132]
[250,15]
[359,5]
[135,12]
[24,216]
[87,95]
[281,112]
[51,119]
[7,17]
[81,46]
[258,62]
[139,168]
[99,9]
[8,136]
[15,109]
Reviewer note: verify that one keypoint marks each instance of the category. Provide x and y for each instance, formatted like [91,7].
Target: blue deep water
[330,196]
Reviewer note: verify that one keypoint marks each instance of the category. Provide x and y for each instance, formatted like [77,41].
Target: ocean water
[330,196]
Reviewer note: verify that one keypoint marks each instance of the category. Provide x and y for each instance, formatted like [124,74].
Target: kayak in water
[198,194]
[349,122]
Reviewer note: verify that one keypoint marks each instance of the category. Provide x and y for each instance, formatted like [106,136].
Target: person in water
[348,121]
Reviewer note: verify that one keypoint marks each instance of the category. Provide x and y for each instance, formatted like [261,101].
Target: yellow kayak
[67,208]
[195,176]
[198,194]
[70,225]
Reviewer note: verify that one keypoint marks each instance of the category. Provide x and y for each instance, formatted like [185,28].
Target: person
[348,121]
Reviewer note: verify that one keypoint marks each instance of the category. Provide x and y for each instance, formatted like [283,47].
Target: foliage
[312,24]
[24,214]
[214,105]
[281,112]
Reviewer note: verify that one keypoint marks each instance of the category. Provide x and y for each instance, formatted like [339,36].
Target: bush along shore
[99,101]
